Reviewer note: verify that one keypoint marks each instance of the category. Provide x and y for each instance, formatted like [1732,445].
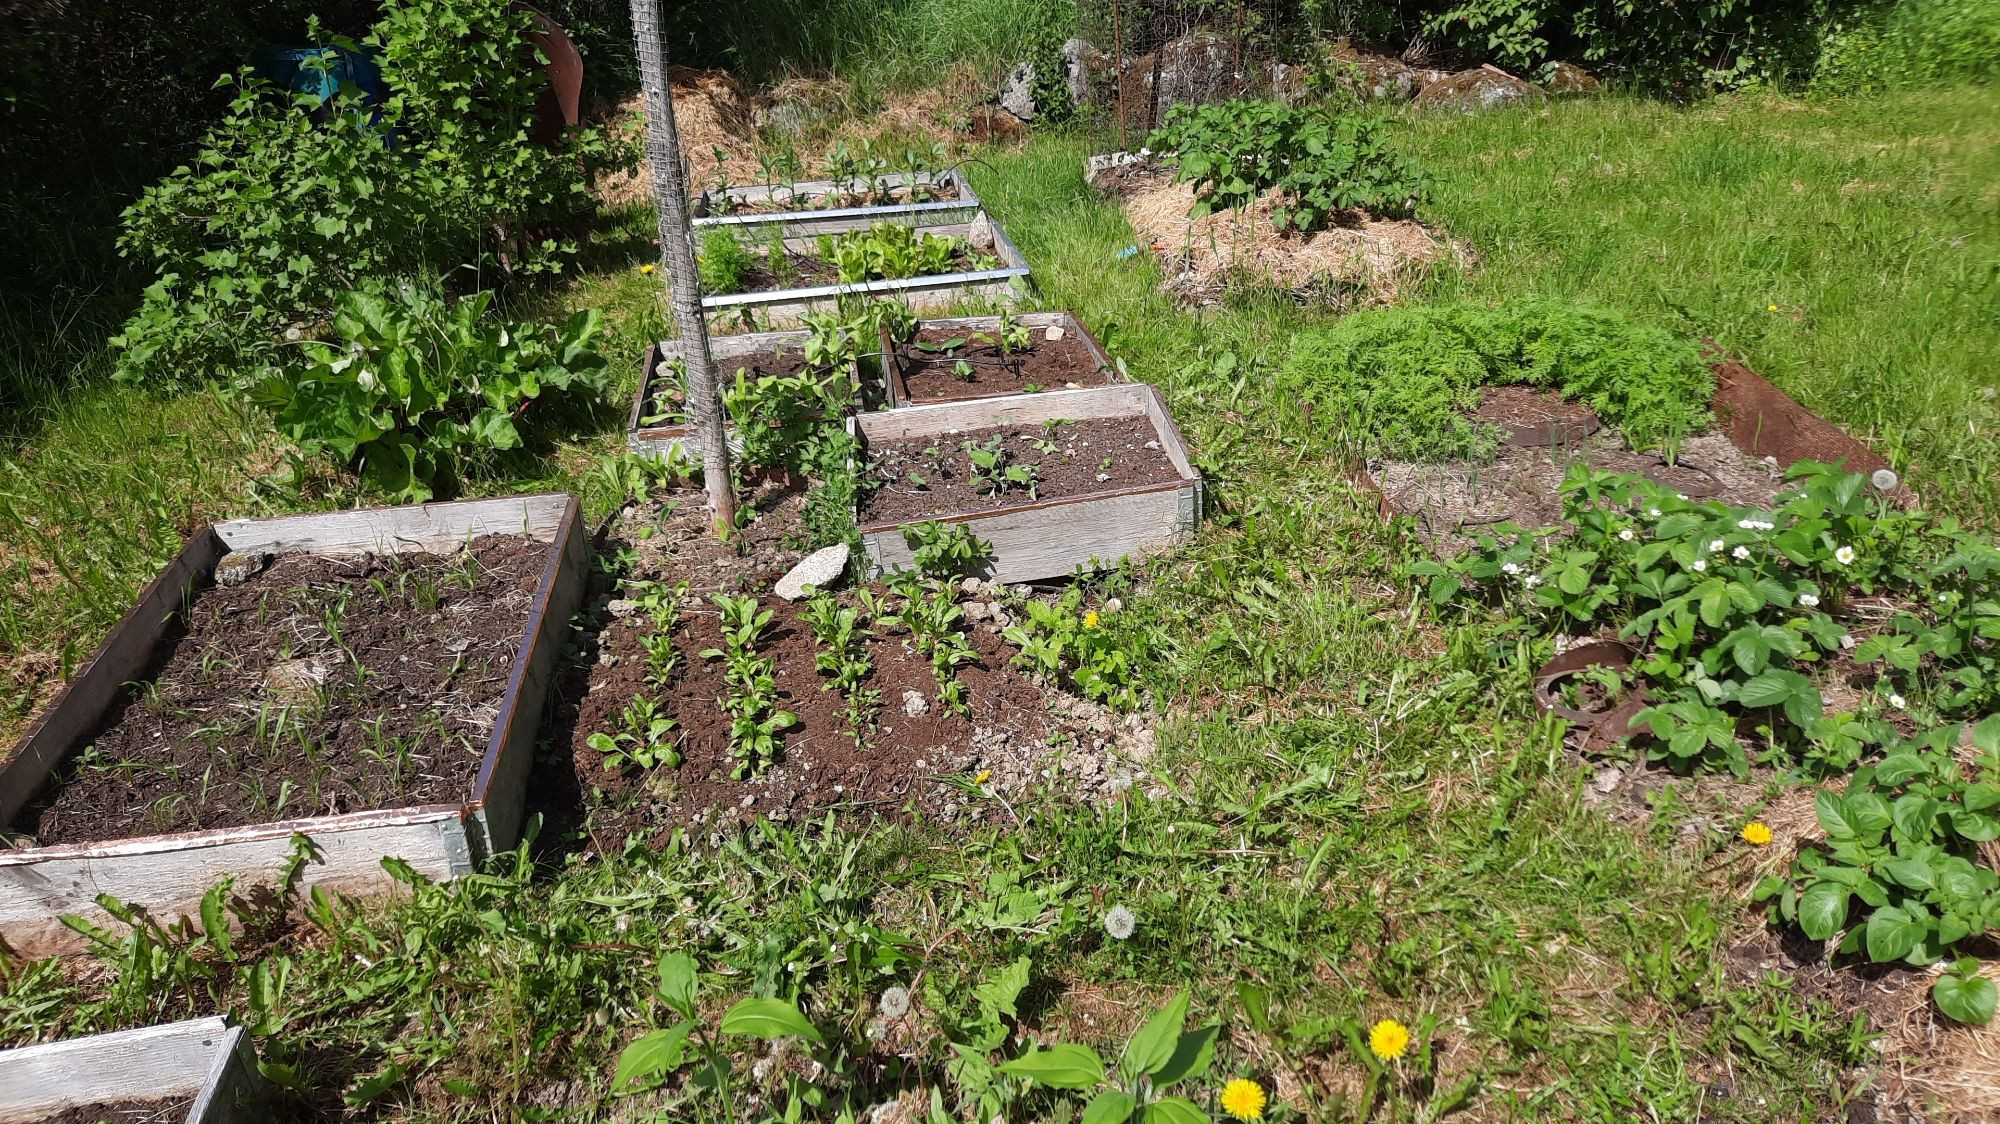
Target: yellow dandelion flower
[1756,833]
[1090,619]
[1771,308]
[984,776]
[1243,1099]
[647,268]
[1389,1039]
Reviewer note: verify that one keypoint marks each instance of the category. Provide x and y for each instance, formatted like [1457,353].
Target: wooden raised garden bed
[201,1071]
[369,680]
[812,207]
[778,307]
[1112,478]
[1759,432]
[651,430]
[963,357]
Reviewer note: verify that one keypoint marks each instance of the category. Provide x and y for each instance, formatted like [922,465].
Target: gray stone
[1607,779]
[238,567]
[293,682]
[1569,78]
[1087,70]
[622,607]
[980,233]
[821,569]
[1054,333]
[915,705]
[1017,96]
[1197,69]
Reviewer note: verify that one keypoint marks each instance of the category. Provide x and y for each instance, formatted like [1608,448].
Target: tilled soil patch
[1456,501]
[931,372]
[921,478]
[321,685]
[921,758]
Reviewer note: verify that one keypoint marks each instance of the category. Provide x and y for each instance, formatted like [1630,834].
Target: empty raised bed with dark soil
[919,478]
[319,686]
[960,358]
[921,758]
[369,680]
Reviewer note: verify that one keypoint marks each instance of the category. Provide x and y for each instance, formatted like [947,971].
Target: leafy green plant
[947,551]
[412,387]
[1070,644]
[754,719]
[1321,163]
[642,738]
[1160,1056]
[787,421]
[840,632]
[1900,876]
[993,471]
[1403,382]
[891,251]
[724,262]
[652,1056]
[933,619]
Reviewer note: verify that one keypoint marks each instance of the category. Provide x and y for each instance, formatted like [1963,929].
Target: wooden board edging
[206,1060]
[894,376]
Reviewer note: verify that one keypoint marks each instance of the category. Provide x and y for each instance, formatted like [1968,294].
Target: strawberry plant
[1320,163]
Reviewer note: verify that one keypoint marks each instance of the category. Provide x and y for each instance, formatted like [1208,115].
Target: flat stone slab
[820,569]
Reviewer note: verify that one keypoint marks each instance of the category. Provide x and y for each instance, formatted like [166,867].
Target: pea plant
[1900,876]
[841,633]
[1321,163]
[754,719]
[1731,608]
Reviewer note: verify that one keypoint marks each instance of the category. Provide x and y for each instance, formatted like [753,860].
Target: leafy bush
[292,200]
[1685,44]
[1321,163]
[724,262]
[1914,43]
[1399,381]
[412,388]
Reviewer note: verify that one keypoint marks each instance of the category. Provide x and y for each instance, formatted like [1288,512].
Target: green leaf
[1000,993]
[1823,910]
[677,982]
[369,1089]
[1969,999]
[1062,1066]
[1191,1058]
[768,1019]
[1150,1048]
[1892,934]
[1830,808]
[1175,1110]
[1897,768]
[1109,1107]
[215,919]
[651,1055]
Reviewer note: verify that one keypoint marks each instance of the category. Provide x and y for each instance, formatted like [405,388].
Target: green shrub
[724,262]
[1909,44]
[291,201]
[411,389]
[1322,163]
[1400,381]
[1691,43]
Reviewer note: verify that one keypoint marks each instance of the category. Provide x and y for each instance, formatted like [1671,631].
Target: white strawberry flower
[1716,546]
[1809,600]
[1625,535]
[1844,555]
[1741,553]
[1700,564]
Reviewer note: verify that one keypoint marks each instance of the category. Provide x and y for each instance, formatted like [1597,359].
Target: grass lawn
[1362,817]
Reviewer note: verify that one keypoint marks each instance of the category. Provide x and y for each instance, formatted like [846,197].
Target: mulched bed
[1095,455]
[324,684]
[1455,501]
[922,759]
[163,1111]
[932,375]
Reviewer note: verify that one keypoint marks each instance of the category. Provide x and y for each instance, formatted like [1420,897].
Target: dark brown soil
[668,393]
[931,374]
[1455,501]
[921,758]
[320,686]
[829,200]
[1535,417]
[921,478]
[171,1110]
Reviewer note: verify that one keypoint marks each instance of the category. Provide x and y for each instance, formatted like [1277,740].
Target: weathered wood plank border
[808,223]
[167,874]
[1050,538]
[205,1060]
[895,374]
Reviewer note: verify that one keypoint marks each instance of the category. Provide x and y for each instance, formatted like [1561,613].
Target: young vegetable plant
[1067,643]
[1162,1055]
[1013,336]
[992,472]
[724,262]
[933,618]
[754,719]
[945,552]
[642,739]
[843,655]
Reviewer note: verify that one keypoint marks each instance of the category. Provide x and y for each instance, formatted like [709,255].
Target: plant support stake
[663,158]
